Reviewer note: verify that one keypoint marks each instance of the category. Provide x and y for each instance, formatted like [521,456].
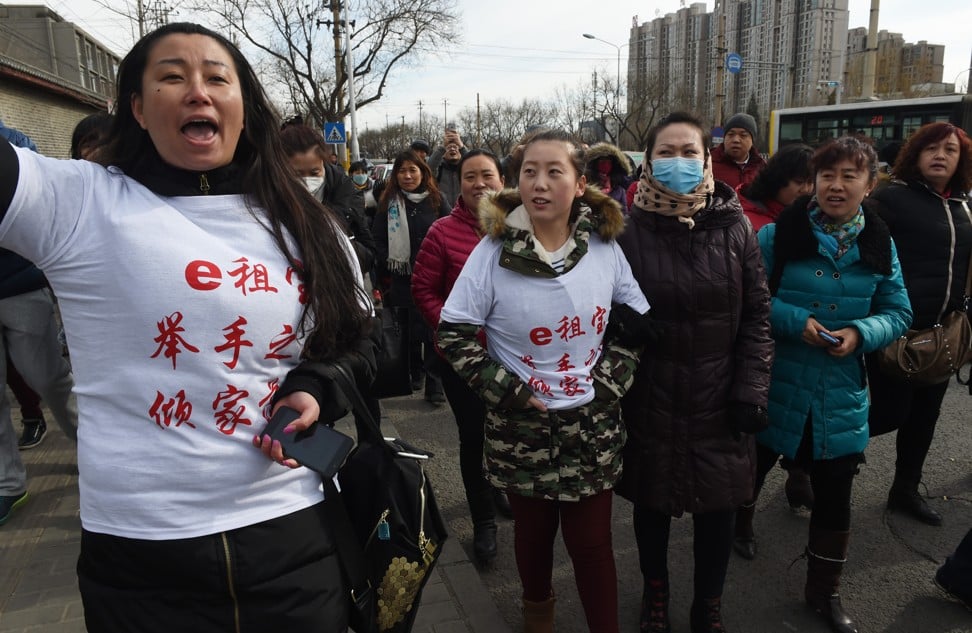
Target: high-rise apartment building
[902,70]
[792,54]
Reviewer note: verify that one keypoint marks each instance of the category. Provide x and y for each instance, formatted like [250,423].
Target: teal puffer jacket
[863,289]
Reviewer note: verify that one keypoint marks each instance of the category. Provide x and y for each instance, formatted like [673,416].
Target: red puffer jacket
[440,259]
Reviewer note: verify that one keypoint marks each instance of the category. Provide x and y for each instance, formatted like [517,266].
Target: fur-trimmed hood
[622,165]
[605,213]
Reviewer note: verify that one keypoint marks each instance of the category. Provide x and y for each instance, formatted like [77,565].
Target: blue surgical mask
[360,179]
[681,175]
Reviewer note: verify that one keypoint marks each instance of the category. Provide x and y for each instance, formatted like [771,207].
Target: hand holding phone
[830,338]
[320,448]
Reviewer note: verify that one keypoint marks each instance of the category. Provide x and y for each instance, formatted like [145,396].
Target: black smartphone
[830,338]
[320,448]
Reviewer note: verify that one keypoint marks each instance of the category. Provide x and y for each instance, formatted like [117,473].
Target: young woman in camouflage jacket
[541,286]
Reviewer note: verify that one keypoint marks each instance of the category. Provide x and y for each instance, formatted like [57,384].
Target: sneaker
[950,585]
[9,504]
[34,432]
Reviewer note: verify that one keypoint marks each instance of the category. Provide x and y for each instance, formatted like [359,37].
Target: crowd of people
[667,335]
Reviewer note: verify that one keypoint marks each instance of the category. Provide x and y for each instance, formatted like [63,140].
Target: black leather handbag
[393,374]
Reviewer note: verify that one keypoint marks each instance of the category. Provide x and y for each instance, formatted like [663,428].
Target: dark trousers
[26,397]
[711,545]
[470,414]
[959,564]
[587,535]
[913,410]
[831,480]
[278,575]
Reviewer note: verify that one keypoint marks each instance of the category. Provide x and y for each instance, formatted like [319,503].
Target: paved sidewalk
[39,551]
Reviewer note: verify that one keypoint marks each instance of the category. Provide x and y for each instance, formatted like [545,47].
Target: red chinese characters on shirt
[570,328]
[280,343]
[165,411]
[234,341]
[567,327]
[175,333]
[597,321]
[228,415]
[170,338]
[251,278]
[267,400]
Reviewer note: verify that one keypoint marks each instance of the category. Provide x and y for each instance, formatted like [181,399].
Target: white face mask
[313,183]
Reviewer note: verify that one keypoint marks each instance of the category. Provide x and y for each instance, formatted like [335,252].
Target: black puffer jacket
[707,288]
[923,225]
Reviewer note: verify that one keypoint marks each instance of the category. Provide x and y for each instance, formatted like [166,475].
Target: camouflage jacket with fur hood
[562,454]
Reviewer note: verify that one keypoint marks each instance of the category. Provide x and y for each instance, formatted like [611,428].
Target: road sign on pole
[334,133]
[734,62]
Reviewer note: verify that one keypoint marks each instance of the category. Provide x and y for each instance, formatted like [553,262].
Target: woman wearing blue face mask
[700,393]
[365,188]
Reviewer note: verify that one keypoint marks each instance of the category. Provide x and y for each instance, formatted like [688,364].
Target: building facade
[793,53]
[902,69]
[52,74]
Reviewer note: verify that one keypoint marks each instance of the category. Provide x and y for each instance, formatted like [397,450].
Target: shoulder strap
[349,549]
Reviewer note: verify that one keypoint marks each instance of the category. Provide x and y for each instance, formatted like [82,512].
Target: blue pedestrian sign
[334,133]
[734,62]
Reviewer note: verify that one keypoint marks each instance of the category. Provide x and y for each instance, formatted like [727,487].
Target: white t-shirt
[547,331]
[181,316]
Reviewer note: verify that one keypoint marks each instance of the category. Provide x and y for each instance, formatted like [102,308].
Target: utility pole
[870,53]
[352,106]
[141,19]
[336,18]
[720,94]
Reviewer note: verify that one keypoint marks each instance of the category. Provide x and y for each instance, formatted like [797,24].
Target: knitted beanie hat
[741,120]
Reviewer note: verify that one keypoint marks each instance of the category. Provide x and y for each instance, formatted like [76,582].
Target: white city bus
[884,121]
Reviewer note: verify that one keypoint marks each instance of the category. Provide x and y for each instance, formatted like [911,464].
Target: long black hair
[334,318]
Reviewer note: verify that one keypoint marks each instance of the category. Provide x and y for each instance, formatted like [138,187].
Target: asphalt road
[887,583]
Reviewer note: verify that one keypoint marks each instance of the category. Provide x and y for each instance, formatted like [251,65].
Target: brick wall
[48,119]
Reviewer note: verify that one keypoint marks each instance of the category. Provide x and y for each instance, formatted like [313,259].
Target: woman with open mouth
[195,274]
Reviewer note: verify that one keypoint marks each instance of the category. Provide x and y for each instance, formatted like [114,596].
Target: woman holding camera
[837,294]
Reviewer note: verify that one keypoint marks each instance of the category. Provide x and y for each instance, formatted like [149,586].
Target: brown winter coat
[707,288]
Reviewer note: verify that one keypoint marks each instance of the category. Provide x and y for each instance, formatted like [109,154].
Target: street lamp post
[617,84]
[617,89]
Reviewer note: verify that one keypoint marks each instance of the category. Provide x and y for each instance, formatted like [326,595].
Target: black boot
[502,503]
[483,514]
[904,497]
[433,390]
[706,615]
[654,607]
[744,541]
[826,554]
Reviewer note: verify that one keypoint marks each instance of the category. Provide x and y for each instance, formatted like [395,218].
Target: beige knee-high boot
[538,617]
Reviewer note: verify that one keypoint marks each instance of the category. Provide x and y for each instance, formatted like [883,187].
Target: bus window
[908,125]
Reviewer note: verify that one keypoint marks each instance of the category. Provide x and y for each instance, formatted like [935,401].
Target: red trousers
[587,535]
